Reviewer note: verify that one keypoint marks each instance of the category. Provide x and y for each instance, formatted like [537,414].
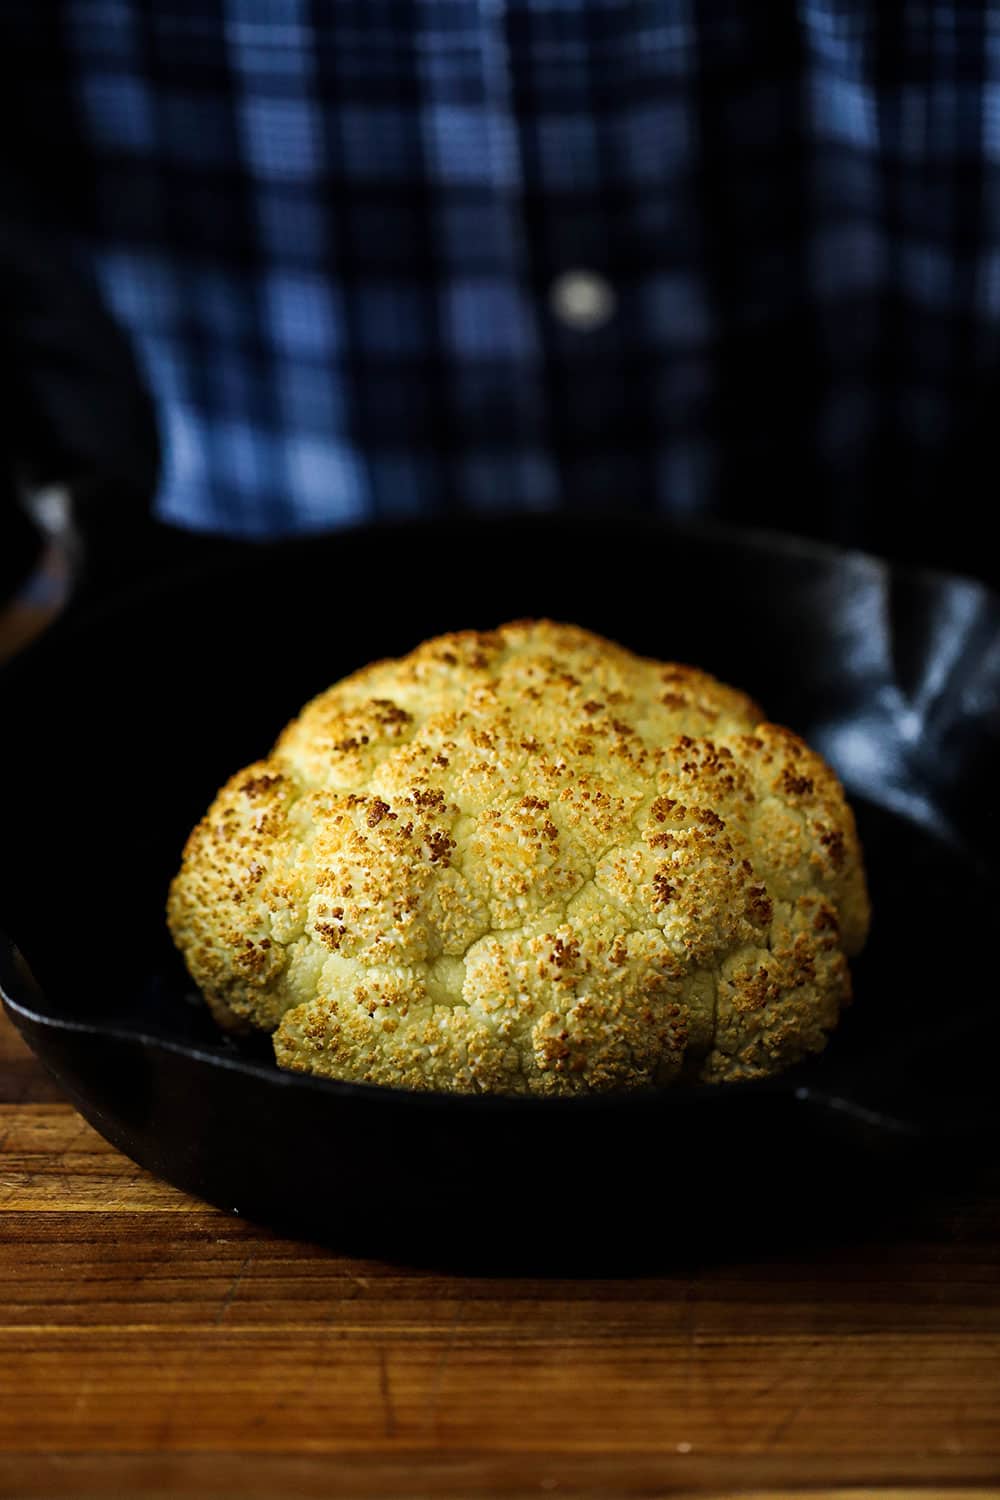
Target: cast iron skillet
[121,725]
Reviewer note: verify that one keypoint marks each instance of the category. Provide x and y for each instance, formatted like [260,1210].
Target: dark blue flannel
[334,227]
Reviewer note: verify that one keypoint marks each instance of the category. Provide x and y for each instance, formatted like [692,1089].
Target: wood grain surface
[153,1346]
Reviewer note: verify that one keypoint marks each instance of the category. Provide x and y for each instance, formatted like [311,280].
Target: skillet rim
[233,554]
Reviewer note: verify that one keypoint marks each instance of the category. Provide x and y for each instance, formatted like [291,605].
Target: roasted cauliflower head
[527,861]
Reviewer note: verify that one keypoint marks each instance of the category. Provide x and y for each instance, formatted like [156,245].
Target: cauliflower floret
[527,861]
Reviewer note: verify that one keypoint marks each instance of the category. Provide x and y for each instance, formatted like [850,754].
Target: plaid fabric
[332,228]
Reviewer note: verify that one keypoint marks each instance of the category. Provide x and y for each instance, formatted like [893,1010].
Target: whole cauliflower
[527,861]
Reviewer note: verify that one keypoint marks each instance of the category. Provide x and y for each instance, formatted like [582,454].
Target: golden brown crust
[526,860]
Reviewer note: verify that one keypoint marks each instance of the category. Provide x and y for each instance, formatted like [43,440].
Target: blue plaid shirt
[334,229]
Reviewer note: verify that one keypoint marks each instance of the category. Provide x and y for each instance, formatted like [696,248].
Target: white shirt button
[582,300]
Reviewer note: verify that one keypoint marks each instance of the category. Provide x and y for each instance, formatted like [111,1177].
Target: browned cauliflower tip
[527,861]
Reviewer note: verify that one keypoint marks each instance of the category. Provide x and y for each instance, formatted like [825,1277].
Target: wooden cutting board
[151,1345]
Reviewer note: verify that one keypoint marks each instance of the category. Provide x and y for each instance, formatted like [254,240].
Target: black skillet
[119,727]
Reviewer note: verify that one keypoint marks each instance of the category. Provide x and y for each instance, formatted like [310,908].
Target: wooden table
[152,1345]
